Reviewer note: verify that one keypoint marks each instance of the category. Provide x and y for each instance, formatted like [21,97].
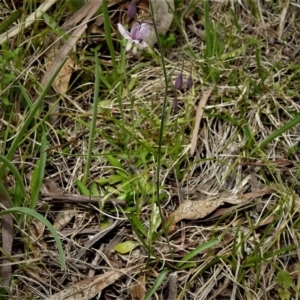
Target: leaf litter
[193,209]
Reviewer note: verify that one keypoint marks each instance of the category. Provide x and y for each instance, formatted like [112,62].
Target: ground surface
[146,204]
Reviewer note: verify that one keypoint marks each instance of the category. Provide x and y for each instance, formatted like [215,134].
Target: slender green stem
[161,133]
[109,39]
[93,123]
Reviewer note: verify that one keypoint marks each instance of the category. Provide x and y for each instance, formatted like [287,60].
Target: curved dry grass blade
[283,19]
[34,16]
[199,114]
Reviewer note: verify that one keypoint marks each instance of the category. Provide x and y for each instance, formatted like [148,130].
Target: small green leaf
[83,189]
[114,162]
[125,247]
[284,294]
[137,223]
[284,279]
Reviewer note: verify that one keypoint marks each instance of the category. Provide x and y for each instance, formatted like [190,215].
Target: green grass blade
[208,31]
[30,117]
[158,282]
[38,173]
[17,175]
[30,212]
[196,251]
[93,122]
[10,20]
[279,132]
[109,39]
[161,135]
[6,194]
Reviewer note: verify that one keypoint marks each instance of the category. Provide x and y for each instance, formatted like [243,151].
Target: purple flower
[179,82]
[175,104]
[189,83]
[131,11]
[135,38]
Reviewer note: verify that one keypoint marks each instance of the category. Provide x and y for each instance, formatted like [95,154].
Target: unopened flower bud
[175,104]
[189,83]
[179,82]
[132,10]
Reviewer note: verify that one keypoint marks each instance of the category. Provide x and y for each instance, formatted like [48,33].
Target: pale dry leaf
[37,229]
[162,16]
[200,33]
[49,186]
[138,290]
[63,218]
[193,210]
[198,118]
[221,211]
[88,288]
[258,193]
[61,82]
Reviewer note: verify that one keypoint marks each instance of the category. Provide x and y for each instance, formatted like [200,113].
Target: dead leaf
[37,229]
[199,114]
[7,240]
[163,17]
[138,290]
[193,210]
[200,33]
[88,288]
[49,186]
[63,218]
[61,82]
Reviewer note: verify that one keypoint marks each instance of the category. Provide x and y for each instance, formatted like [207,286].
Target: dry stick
[34,16]
[75,199]
[199,114]
[172,294]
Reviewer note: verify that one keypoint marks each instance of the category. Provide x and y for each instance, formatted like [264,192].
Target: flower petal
[143,45]
[134,50]
[128,46]
[135,31]
[124,32]
[144,31]
[132,10]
